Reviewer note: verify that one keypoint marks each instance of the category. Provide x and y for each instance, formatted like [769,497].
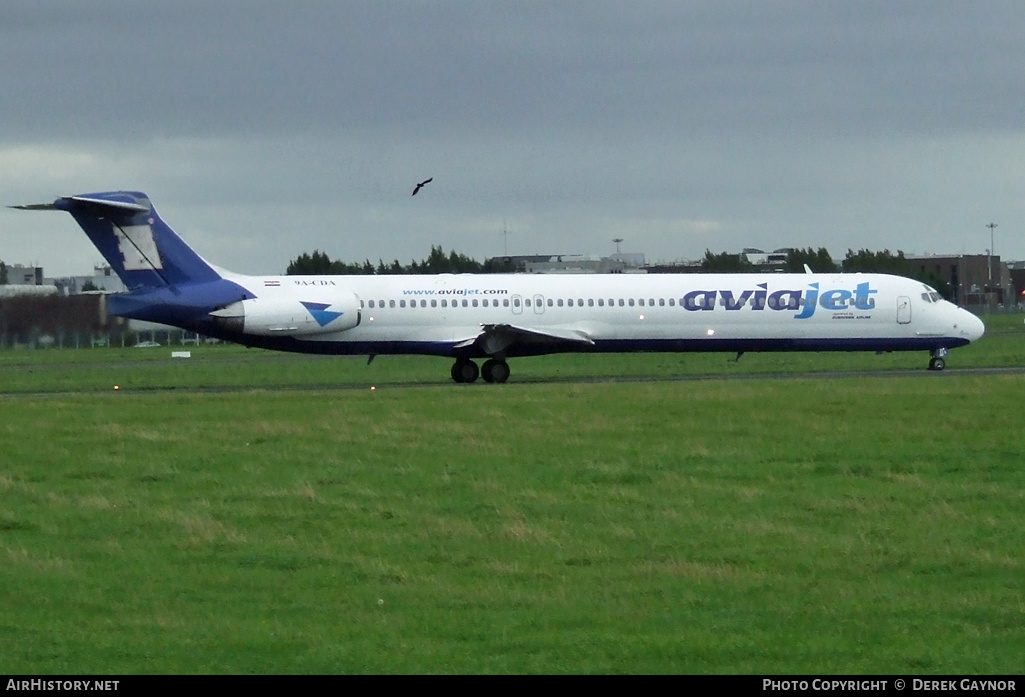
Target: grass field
[867,524]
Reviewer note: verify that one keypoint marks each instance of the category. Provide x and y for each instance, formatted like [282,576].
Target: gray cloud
[677,125]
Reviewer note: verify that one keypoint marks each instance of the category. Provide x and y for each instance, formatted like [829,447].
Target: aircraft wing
[495,338]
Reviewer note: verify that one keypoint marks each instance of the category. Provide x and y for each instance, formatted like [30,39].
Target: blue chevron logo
[320,313]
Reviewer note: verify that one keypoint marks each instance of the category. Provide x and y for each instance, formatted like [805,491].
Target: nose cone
[970,326]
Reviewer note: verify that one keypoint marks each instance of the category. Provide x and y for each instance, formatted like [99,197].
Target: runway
[444,382]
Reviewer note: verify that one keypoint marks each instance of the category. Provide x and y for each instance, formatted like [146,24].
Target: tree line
[818,260]
[318,263]
[821,261]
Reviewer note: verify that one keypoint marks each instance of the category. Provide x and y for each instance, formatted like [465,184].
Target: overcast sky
[264,129]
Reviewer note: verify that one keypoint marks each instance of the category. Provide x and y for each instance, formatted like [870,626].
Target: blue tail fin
[141,248]
[169,282]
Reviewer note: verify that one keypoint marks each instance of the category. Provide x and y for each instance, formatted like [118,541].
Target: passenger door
[903,310]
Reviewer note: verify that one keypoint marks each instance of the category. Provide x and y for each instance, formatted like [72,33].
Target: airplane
[469,317]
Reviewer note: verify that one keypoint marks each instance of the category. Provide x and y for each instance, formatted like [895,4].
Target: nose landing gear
[938,359]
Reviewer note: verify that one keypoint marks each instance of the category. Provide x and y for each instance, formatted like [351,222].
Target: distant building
[25,281]
[1016,270]
[976,280]
[11,291]
[102,279]
[18,275]
[576,263]
[52,320]
[766,260]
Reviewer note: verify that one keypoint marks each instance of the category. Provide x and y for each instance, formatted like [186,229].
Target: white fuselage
[678,312]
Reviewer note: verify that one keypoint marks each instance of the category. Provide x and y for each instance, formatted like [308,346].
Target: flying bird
[421,185]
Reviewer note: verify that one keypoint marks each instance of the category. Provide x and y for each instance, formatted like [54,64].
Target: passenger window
[371,304]
[361,304]
[631,301]
[590,302]
[672,302]
[621,303]
[380,304]
[505,302]
[651,302]
[474,302]
[661,302]
[402,303]
[580,302]
[465,304]
[559,302]
[569,303]
[391,304]
[423,303]
[601,302]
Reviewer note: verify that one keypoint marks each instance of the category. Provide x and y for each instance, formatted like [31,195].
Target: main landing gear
[494,370]
[938,360]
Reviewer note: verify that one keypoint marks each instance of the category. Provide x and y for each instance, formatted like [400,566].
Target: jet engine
[276,316]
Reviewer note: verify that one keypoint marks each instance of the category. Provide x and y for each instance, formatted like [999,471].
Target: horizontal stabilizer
[35,207]
[106,203]
[65,203]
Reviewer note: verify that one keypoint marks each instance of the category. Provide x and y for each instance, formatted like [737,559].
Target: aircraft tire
[495,371]
[465,371]
[937,363]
